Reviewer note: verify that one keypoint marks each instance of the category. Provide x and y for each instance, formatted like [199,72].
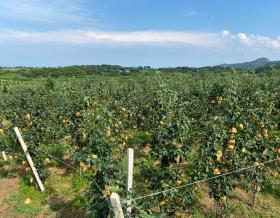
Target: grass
[17,200]
[73,201]
[7,171]
[273,188]
[267,204]
[139,137]
[78,202]
[2,163]
[67,186]
[79,183]
[67,192]
[60,185]
[63,193]
[11,76]
[276,132]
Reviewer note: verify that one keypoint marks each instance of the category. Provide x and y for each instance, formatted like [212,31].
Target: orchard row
[184,127]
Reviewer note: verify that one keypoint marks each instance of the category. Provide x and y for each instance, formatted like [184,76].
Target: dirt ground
[7,187]
[10,184]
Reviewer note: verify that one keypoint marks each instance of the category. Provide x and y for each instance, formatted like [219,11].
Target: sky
[158,33]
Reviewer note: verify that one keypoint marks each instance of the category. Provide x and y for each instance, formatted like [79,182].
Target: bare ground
[8,186]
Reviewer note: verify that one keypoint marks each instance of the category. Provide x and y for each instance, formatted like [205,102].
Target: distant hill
[259,63]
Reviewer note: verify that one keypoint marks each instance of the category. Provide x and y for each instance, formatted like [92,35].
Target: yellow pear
[27,201]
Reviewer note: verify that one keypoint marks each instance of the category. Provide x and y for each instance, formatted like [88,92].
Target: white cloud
[242,37]
[89,36]
[44,11]
[225,33]
[223,40]
[189,38]
[254,41]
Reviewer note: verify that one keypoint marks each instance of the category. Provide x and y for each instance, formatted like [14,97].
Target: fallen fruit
[27,201]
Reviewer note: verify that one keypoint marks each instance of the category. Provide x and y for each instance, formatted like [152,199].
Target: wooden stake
[130,156]
[34,170]
[116,204]
[4,155]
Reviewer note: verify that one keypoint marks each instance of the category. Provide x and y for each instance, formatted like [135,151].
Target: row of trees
[184,127]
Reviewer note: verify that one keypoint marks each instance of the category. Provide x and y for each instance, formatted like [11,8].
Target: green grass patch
[2,163]
[80,183]
[67,186]
[57,150]
[10,76]
[78,202]
[67,191]
[272,187]
[276,132]
[7,172]
[139,137]
[61,185]
[17,200]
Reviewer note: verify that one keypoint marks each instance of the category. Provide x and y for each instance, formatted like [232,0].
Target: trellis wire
[203,180]
[66,164]
[171,189]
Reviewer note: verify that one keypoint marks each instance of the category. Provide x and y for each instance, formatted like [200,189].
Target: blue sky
[137,32]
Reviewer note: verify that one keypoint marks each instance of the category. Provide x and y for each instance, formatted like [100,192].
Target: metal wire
[171,189]
[63,162]
[203,180]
